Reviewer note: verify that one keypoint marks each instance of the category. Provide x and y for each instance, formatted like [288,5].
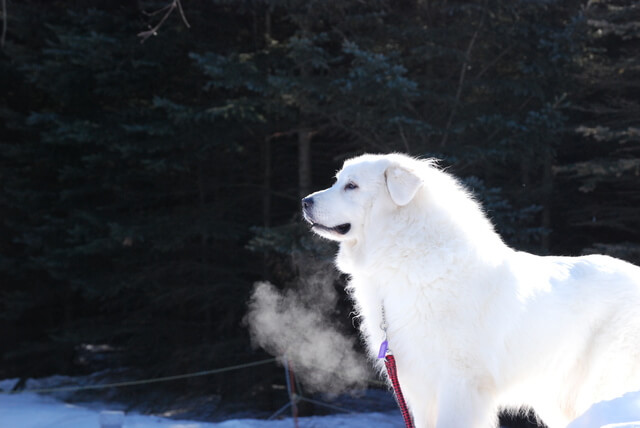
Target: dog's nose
[307,203]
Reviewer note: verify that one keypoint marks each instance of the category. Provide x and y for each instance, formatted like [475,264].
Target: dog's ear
[402,184]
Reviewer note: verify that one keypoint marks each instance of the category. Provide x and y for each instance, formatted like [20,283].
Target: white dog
[475,326]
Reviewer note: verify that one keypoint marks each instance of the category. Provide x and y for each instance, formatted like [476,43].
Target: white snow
[30,410]
[623,412]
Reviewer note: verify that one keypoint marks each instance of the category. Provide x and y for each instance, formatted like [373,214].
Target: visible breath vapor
[300,324]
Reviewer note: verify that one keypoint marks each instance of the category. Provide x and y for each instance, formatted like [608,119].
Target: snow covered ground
[30,410]
[623,412]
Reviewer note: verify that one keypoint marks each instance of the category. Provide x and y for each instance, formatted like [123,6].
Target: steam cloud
[300,324]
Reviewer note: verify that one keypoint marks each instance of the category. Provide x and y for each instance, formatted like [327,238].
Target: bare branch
[184,18]
[168,9]
[494,61]
[463,72]
[156,12]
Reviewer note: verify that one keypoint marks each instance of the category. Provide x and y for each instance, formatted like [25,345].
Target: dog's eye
[350,186]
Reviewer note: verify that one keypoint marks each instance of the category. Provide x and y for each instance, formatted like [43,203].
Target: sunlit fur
[476,326]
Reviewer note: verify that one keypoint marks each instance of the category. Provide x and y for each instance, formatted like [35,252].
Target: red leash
[392,372]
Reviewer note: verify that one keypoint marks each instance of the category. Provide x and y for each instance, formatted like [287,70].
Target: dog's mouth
[341,229]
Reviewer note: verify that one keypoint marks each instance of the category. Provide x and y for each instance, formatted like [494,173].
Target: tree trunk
[304,162]
[266,182]
[547,190]
[204,251]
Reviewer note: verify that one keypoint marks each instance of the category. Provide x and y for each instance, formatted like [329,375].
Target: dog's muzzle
[307,207]
[307,212]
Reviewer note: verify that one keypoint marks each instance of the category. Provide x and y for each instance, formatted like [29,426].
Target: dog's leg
[466,406]
[425,416]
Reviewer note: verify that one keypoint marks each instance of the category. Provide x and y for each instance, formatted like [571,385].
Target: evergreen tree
[124,214]
[600,172]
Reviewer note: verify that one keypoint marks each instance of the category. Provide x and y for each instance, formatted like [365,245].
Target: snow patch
[29,410]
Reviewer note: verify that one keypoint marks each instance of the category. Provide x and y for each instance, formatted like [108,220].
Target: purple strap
[384,347]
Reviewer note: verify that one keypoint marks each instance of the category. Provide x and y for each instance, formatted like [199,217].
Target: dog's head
[363,186]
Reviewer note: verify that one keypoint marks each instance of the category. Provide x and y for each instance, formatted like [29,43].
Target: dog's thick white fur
[475,326]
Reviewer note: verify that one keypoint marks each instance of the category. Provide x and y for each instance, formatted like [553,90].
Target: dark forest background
[147,182]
